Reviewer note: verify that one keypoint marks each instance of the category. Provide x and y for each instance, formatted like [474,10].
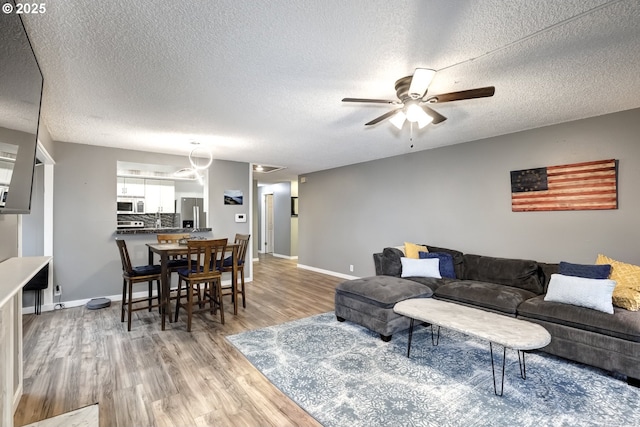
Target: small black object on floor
[97,303]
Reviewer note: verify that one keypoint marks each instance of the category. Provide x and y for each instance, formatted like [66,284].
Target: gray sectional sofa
[512,287]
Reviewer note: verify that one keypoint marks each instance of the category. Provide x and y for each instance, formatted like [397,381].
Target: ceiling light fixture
[414,114]
[197,155]
[398,119]
[425,120]
[421,80]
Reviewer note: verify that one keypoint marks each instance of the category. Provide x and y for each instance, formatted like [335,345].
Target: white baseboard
[284,256]
[328,272]
[118,297]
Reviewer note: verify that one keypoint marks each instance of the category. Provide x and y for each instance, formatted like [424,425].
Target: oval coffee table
[495,328]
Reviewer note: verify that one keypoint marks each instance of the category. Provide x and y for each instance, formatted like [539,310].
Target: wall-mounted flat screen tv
[21,85]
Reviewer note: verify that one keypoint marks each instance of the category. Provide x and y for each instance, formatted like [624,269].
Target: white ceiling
[262,81]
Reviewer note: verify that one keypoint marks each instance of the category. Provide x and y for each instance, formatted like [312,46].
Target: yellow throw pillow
[411,250]
[627,276]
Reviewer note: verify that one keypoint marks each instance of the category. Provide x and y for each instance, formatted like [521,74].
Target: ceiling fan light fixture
[415,113]
[425,120]
[398,119]
[420,82]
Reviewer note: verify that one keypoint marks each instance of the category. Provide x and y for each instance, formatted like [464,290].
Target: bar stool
[227,266]
[134,275]
[204,257]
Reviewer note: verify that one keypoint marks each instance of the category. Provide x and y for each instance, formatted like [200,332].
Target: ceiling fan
[412,93]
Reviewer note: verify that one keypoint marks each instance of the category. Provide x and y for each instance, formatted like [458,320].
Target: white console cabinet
[14,274]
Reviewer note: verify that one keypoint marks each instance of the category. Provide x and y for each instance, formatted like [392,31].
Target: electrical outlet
[57,291]
[351,268]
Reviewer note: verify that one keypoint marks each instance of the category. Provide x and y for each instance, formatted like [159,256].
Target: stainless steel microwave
[130,206]
[4,191]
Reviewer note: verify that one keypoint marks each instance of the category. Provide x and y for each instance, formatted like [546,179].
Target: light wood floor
[147,377]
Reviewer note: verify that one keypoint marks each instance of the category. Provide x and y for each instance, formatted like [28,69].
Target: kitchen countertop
[160,230]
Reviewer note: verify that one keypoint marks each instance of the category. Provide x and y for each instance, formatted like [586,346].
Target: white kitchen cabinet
[131,187]
[159,196]
[5,174]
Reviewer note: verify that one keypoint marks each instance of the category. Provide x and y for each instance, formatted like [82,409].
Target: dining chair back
[204,258]
[176,262]
[133,275]
[242,240]
[172,238]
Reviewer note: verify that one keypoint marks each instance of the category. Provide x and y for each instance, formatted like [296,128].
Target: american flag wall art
[578,186]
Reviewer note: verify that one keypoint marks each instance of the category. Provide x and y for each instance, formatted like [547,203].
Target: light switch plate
[241,217]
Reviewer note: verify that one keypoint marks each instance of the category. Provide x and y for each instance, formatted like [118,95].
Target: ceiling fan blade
[383,117]
[437,117]
[482,92]
[420,82]
[377,101]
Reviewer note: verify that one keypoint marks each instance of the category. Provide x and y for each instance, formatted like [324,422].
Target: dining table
[168,250]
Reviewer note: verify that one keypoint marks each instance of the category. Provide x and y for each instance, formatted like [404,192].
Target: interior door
[268,244]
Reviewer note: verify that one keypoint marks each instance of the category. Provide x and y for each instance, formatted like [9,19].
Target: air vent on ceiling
[266,169]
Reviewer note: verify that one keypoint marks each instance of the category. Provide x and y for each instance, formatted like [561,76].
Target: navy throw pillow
[587,271]
[446,263]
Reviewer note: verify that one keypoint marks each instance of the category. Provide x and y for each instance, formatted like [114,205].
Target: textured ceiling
[262,81]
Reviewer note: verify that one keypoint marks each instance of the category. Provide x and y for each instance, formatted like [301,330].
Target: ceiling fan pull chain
[411,134]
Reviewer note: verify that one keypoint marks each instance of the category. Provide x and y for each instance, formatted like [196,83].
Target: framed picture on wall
[577,186]
[233,197]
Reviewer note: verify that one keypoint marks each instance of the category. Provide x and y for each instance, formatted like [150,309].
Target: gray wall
[282,218]
[86,261]
[33,224]
[459,197]
[8,236]
[225,175]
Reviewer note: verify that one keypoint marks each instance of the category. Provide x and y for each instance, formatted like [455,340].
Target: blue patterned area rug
[345,375]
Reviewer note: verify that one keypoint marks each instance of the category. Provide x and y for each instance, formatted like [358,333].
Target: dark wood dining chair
[134,275]
[175,262]
[227,266]
[204,257]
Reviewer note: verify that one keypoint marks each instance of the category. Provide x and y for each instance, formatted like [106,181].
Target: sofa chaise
[512,287]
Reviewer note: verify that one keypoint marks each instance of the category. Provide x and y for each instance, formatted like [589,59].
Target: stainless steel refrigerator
[192,212]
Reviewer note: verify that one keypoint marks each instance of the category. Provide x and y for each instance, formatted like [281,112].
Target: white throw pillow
[429,267]
[590,293]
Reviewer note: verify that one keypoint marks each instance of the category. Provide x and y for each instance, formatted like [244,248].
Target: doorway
[268,228]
